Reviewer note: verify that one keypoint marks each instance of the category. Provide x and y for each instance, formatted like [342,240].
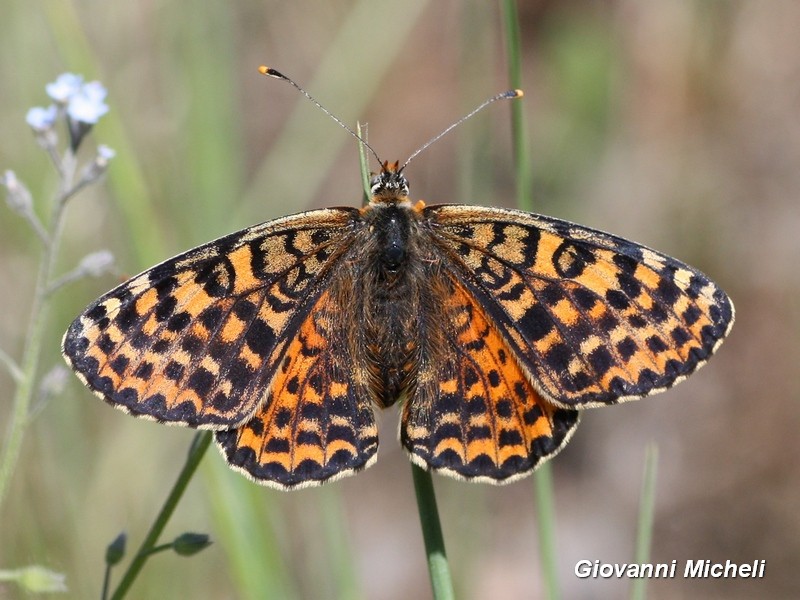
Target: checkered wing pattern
[592,319]
[198,339]
[485,421]
[314,425]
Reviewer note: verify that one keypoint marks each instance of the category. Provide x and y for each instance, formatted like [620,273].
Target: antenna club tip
[270,72]
[518,93]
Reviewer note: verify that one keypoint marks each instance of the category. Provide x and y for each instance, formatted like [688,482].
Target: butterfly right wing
[595,319]
[197,339]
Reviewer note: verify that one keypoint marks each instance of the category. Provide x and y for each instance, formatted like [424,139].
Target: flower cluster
[79,105]
[82,104]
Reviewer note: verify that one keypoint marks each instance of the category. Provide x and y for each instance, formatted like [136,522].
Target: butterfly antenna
[270,72]
[501,96]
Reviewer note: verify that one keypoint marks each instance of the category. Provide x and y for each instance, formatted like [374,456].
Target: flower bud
[116,549]
[188,544]
[53,382]
[96,264]
[18,197]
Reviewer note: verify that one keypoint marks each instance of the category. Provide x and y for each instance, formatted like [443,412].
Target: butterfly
[492,328]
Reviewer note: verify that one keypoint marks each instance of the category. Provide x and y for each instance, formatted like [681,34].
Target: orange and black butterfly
[494,328]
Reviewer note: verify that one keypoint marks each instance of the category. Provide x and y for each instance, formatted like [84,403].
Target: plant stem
[106,582]
[13,367]
[438,567]
[543,478]
[546,519]
[644,535]
[26,384]
[198,448]
[518,129]
[160,548]
[363,161]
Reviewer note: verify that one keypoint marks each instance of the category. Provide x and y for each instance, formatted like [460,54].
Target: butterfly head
[390,185]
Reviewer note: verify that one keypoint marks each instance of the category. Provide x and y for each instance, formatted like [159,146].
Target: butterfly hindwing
[485,420]
[313,426]
[595,319]
[196,339]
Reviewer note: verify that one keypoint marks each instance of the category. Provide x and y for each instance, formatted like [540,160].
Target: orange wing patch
[312,426]
[487,422]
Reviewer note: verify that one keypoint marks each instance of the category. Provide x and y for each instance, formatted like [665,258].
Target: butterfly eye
[375,184]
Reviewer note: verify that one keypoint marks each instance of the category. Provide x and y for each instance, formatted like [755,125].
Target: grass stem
[543,478]
[644,534]
[200,444]
[438,567]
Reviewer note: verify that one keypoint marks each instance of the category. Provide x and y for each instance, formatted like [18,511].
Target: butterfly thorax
[392,224]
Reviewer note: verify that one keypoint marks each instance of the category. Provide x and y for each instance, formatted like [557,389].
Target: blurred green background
[675,123]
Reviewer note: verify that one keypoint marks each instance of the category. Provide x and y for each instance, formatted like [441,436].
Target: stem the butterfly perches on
[507,95]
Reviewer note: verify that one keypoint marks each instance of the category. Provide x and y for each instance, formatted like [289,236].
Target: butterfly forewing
[196,339]
[593,318]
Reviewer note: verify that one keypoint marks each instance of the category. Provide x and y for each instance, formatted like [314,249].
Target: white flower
[105,154]
[87,104]
[42,119]
[64,87]
[97,263]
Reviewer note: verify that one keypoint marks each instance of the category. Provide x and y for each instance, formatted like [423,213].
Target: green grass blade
[519,134]
[546,521]
[250,525]
[644,535]
[337,542]
[543,478]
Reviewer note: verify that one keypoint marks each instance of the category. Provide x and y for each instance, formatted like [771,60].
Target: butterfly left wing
[593,318]
[474,414]
[196,340]
[316,424]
